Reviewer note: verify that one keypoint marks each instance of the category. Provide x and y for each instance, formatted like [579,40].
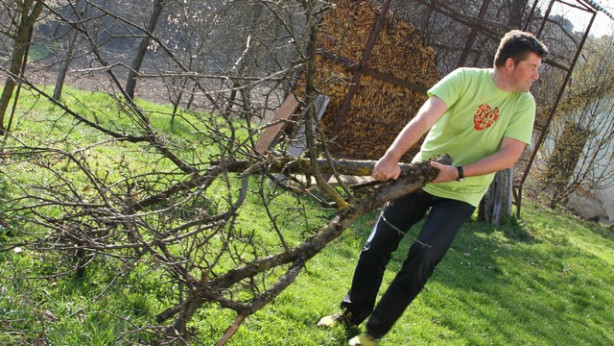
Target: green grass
[544,280]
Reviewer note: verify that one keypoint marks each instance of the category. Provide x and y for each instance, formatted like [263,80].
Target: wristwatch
[461,174]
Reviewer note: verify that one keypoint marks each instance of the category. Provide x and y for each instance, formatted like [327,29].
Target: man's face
[524,73]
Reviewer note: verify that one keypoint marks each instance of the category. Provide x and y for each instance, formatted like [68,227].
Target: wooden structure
[376,69]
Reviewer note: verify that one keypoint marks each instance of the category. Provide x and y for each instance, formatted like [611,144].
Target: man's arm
[387,167]
[506,157]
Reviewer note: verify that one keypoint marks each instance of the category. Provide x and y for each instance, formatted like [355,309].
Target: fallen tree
[371,196]
[132,229]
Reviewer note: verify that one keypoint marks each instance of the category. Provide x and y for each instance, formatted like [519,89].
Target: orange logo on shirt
[485,117]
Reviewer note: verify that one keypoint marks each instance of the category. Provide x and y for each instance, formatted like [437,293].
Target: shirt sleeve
[450,88]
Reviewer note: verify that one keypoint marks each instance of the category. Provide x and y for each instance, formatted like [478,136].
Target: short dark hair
[517,45]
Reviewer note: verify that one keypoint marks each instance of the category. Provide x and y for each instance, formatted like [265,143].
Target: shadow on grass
[605,232]
[515,286]
[466,241]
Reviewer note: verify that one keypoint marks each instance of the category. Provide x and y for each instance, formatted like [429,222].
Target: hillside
[545,279]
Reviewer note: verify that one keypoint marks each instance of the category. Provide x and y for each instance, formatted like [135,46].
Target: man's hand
[386,169]
[446,172]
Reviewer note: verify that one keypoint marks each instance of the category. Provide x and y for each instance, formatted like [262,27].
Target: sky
[603,25]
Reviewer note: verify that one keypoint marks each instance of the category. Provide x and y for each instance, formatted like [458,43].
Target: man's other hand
[386,169]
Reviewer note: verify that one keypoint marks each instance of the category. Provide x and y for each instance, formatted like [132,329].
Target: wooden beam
[374,73]
[270,133]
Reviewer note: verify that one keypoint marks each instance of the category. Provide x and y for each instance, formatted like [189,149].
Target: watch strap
[461,174]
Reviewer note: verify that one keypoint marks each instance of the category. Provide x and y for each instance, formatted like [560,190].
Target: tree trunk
[231,100]
[191,98]
[61,77]
[140,54]
[18,57]
[497,202]
[177,101]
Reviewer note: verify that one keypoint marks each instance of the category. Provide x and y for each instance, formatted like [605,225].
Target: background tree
[66,39]
[23,15]
[158,7]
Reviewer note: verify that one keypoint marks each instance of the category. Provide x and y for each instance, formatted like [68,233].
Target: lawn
[544,279]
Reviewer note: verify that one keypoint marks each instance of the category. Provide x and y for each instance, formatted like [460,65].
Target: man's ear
[510,64]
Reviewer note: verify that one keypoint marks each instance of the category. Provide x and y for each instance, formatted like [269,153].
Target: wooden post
[298,142]
[497,202]
[268,136]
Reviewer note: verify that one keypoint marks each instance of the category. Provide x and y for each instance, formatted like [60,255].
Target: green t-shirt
[479,115]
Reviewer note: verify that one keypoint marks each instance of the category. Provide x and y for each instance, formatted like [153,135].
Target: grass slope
[544,280]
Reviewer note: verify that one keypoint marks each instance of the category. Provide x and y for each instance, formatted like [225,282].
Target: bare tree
[24,15]
[71,49]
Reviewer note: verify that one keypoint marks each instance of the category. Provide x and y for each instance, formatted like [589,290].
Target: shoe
[363,339]
[344,317]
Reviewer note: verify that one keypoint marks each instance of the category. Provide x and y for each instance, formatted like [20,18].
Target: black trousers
[444,219]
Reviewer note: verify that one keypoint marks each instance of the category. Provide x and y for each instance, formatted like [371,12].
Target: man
[483,118]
